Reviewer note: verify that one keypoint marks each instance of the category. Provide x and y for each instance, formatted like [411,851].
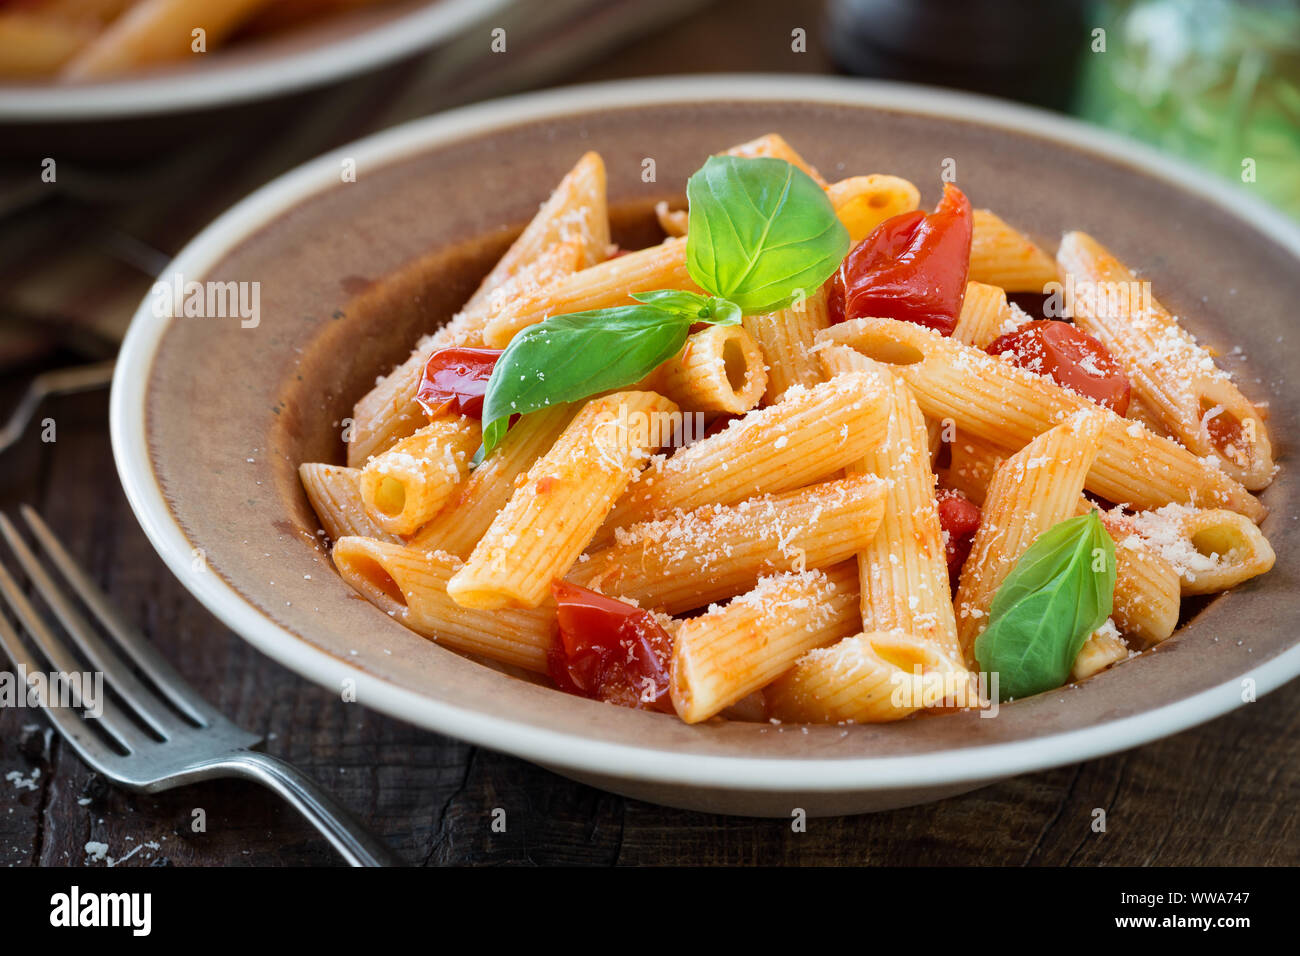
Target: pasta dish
[808,459]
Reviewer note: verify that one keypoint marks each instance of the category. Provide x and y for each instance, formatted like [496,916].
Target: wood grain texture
[1222,793]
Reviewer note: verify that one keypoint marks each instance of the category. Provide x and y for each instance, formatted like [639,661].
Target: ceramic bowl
[311,55]
[210,419]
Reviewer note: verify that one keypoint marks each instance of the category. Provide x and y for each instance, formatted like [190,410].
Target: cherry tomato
[959,517]
[1070,357]
[912,267]
[609,650]
[456,378]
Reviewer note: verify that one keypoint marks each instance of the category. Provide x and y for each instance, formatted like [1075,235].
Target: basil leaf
[568,357]
[759,231]
[676,300]
[698,308]
[1047,606]
[723,312]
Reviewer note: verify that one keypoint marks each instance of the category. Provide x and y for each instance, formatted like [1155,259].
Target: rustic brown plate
[210,419]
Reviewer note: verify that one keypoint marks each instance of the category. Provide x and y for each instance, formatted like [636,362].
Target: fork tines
[137,716]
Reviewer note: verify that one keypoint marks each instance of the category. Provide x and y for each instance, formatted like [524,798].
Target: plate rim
[278,75]
[559,749]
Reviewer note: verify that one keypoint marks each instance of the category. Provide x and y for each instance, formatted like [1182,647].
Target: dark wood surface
[1223,793]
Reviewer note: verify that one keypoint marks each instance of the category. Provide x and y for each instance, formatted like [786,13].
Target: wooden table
[1223,793]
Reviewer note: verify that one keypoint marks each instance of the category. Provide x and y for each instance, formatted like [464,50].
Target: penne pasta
[601,286]
[810,435]
[1175,377]
[158,31]
[577,211]
[335,495]
[468,514]
[33,45]
[1004,257]
[774,146]
[719,369]
[693,558]
[802,538]
[674,222]
[1146,586]
[985,315]
[993,399]
[390,411]
[411,587]
[1102,649]
[1140,411]
[873,677]
[570,232]
[1211,550]
[407,485]
[903,571]
[1033,490]
[1147,592]
[863,202]
[786,339]
[971,466]
[553,514]
[731,651]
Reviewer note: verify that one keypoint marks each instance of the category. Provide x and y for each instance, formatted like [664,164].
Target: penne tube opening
[719,369]
[874,677]
[863,202]
[739,362]
[405,486]
[884,340]
[1232,546]
[1234,431]
[1210,549]
[390,496]
[362,565]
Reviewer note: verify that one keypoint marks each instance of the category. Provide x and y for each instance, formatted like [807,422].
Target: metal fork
[157,737]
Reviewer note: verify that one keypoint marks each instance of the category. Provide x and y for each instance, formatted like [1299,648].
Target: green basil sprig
[760,231]
[1059,592]
[572,356]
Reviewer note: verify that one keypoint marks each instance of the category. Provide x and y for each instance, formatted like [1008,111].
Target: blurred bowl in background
[117,118]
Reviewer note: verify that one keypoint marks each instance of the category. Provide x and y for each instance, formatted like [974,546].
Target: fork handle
[310,799]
